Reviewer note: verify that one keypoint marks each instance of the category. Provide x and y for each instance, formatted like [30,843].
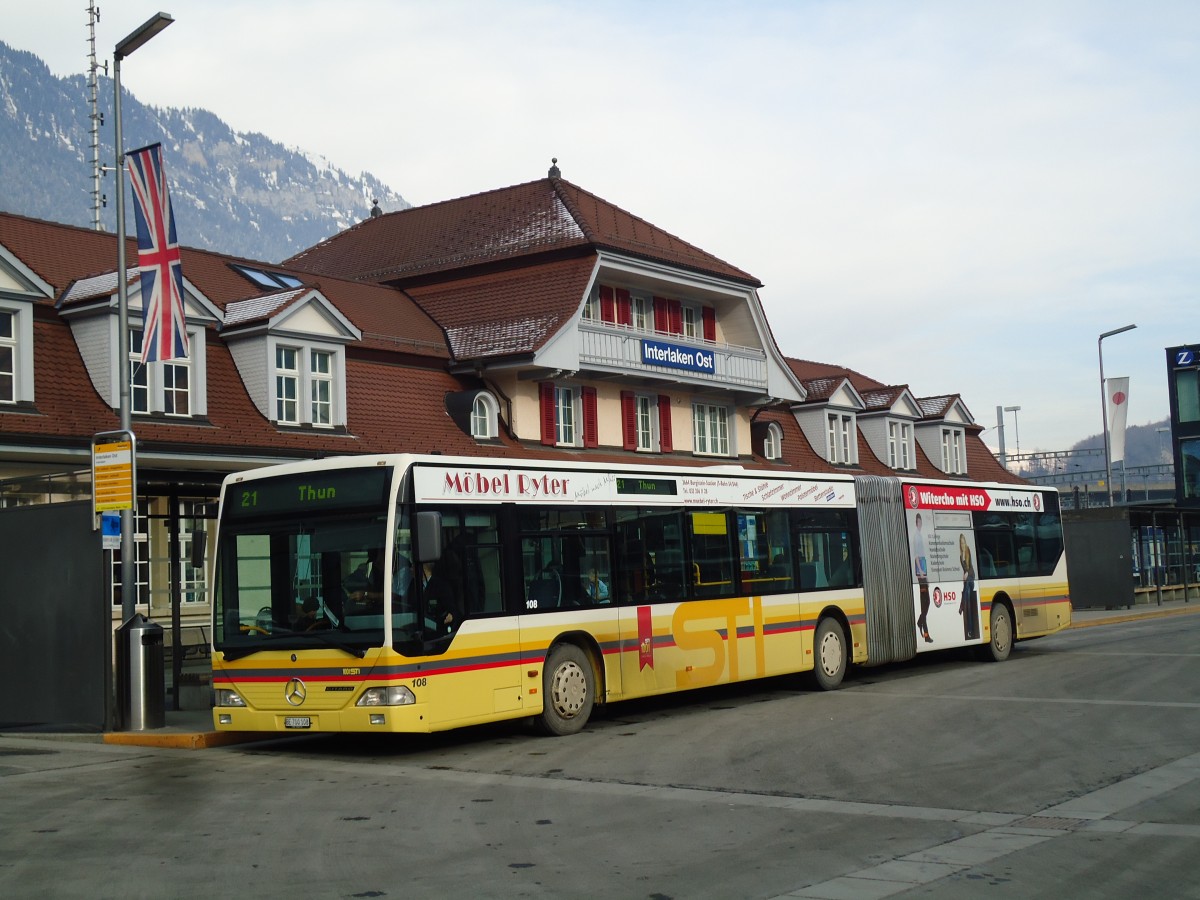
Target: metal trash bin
[141,679]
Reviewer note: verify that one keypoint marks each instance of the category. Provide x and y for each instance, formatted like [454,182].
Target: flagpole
[1104,409]
[135,39]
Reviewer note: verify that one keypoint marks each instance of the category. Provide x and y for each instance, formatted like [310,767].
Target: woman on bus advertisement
[921,572]
[968,606]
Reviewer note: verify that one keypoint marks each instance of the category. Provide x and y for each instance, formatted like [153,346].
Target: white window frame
[645,409]
[842,438]
[142,569]
[773,442]
[10,344]
[900,448]
[954,460]
[485,413]
[693,321]
[710,430]
[148,381]
[21,343]
[641,311]
[286,380]
[566,415]
[591,306]
[320,387]
[309,380]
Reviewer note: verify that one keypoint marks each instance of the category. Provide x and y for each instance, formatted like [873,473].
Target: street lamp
[1104,407]
[1162,451]
[132,42]
[1016,427]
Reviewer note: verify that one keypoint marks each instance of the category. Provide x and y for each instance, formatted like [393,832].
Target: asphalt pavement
[192,729]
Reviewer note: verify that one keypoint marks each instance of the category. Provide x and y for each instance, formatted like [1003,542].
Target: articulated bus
[407,593]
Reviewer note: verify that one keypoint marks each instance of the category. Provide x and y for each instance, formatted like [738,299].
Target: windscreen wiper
[326,637]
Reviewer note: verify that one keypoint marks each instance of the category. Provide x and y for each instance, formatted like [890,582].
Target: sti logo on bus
[479,484]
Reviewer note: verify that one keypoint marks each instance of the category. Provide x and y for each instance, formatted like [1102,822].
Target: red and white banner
[1117,394]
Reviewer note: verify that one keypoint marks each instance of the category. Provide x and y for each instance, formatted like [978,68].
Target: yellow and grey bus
[407,593]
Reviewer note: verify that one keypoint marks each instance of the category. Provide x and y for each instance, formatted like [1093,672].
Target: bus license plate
[297,722]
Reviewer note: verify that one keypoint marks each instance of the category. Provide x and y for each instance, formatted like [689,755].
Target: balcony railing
[618,348]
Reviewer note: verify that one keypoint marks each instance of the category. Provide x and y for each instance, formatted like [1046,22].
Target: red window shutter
[608,306]
[662,317]
[549,413]
[710,323]
[664,424]
[628,421]
[676,316]
[624,307]
[591,428]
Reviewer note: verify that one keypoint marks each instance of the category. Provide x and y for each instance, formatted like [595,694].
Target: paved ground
[193,730]
[1070,771]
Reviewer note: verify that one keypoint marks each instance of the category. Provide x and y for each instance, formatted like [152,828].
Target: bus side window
[994,545]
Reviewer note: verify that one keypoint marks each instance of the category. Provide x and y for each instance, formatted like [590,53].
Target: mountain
[238,193]
[1145,445]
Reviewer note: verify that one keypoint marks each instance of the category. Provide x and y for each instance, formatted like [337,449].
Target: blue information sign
[676,356]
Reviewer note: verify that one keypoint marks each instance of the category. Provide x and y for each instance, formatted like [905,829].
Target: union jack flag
[161,272]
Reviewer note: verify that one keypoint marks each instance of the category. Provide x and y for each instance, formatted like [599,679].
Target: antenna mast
[97,117]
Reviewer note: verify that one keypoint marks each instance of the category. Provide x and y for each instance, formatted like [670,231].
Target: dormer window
[306,372]
[773,442]
[484,417]
[954,457]
[842,437]
[900,446]
[164,387]
[8,356]
[16,352]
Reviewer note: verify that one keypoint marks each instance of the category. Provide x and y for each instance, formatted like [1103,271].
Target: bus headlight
[395,695]
[229,698]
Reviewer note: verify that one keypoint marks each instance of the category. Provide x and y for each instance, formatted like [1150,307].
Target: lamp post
[132,42]
[1104,407]
[1016,427]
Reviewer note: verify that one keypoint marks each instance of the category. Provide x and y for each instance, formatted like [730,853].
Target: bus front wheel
[1000,646]
[568,691]
[829,650]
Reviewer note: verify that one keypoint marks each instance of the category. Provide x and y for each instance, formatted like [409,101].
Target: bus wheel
[568,691]
[1001,643]
[829,648]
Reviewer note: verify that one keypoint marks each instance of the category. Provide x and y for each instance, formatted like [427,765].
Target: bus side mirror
[429,536]
[199,545]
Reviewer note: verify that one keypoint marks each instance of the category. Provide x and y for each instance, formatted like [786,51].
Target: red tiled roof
[509,312]
[543,216]
[805,370]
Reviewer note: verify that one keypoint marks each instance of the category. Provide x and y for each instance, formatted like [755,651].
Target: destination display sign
[339,489]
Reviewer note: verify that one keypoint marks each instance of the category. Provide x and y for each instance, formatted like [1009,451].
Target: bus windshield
[300,582]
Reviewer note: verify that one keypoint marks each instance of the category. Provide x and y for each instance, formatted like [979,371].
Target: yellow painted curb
[184,740]
[1135,616]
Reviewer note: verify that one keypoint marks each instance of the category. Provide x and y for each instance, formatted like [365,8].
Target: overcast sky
[958,196]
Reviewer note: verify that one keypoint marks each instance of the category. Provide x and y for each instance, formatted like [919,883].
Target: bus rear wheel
[1001,643]
[829,651]
[568,691]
